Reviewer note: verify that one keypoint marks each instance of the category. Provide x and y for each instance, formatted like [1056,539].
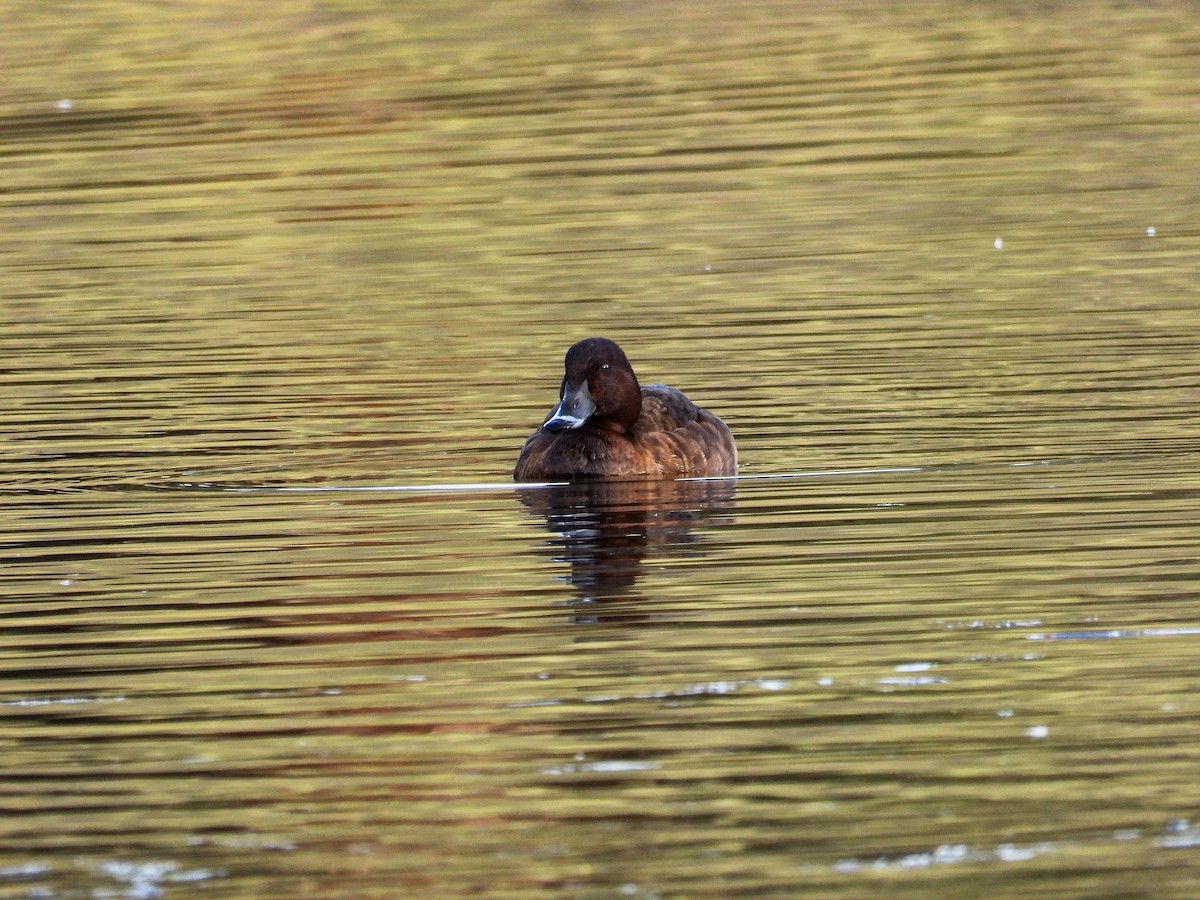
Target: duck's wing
[674,428]
[665,409]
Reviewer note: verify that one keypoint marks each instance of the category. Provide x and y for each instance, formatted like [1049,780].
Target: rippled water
[283,293]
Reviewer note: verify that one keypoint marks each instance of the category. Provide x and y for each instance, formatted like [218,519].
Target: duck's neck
[624,403]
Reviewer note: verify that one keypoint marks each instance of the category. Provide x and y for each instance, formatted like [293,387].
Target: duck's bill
[573,409]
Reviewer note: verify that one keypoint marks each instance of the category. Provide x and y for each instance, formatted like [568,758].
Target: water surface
[284,292]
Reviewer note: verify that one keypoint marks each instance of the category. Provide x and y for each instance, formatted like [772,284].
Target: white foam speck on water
[608,766]
[60,701]
[945,854]
[1113,633]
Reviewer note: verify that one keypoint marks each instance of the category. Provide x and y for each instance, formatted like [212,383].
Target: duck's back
[681,439]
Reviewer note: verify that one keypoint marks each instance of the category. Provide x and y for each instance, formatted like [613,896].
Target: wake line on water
[505,486]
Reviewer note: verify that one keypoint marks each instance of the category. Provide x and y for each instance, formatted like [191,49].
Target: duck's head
[598,387]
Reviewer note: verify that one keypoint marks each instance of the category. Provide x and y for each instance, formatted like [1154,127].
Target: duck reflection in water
[607,531]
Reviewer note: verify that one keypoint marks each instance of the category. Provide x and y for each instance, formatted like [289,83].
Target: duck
[607,425]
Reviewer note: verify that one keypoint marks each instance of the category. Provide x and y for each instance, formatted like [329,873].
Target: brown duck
[608,426]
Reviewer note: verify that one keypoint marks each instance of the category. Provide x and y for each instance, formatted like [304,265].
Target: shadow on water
[608,531]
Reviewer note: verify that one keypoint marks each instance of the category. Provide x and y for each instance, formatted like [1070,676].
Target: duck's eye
[605,366]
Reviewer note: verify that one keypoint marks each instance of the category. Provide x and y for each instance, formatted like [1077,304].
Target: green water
[283,292]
